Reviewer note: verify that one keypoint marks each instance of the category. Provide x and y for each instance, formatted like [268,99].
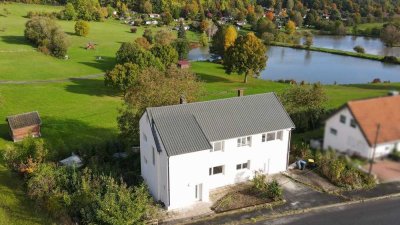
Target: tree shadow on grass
[15,40]
[74,135]
[4,130]
[384,86]
[94,87]
[104,64]
[207,78]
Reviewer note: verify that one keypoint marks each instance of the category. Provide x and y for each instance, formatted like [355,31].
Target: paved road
[380,212]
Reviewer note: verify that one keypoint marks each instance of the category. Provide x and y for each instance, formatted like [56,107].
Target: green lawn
[20,61]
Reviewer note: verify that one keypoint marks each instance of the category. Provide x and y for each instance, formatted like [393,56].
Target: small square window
[238,166]
[216,170]
[333,131]
[248,141]
[279,135]
[353,123]
[263,138]
[244,166]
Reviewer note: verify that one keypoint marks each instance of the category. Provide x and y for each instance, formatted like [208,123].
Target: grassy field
[19,60]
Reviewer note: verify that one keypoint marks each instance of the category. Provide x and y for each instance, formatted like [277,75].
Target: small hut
[183,64]
[24,125]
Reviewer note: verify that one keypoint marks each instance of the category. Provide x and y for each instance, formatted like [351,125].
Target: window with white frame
[243,166]
[244,141]
[271,136]
[216,170]
[333,131]
[263,137]
[279,135]
[218,146]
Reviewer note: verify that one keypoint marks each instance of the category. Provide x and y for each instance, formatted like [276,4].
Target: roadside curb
[311,209]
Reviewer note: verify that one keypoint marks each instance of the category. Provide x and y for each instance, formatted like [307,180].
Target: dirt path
[50,80]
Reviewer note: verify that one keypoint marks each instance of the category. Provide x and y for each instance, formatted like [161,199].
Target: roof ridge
[21,114]
[213,100]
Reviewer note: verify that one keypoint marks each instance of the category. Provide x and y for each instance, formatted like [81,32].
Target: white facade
[181,180]
[341,136]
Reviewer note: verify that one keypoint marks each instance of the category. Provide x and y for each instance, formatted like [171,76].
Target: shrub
[68,13]
[390,59]
[359,49]
[32,14]
[376,81]
[43,32]
[133,29]
[270,190]
[82,28]
[274,190]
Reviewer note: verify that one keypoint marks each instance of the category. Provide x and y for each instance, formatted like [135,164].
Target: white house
[353,129]
[191,148]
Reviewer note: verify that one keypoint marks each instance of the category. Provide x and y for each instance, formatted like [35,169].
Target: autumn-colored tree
[230,37]
[155,88]
[164,37]
[204,25]
[290,27]
[143,42]
[247,56]
[390,35]
[270,15]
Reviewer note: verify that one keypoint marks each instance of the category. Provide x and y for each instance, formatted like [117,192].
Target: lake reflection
[311,66]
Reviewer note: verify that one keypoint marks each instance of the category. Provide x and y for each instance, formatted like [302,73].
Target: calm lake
[346,43]
[310,66]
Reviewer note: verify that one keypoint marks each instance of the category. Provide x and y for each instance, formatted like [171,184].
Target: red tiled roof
[183,62]
[371,112]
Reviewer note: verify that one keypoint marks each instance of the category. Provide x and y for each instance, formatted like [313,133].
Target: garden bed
[240,196]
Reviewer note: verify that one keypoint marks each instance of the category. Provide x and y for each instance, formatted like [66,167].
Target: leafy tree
[132,52]
[359,49]
[390,35]
[308,39]
[247,56]
[164,37]
[298,18]
[203,40]
[290,27]
[155,88]
[305,104]
[167,18]
[339,28]
[204,25]
[230,37]
[182,47]
[148,34]
[270,16]
[143,43]
[82,28]
[122,76]
[265,25]
[181,30]
[166,53]
[50,39]
[69,12]
[87,9]
[218,40]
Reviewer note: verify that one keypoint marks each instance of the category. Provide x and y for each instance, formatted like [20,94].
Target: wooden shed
[24,125]
[183,64]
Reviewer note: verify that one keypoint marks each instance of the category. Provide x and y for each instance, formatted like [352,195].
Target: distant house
[24,125]
[183,64]
[154,15]
[189,149]
[353,129]
[151,22]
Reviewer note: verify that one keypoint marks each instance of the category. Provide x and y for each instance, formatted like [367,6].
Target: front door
[197,191]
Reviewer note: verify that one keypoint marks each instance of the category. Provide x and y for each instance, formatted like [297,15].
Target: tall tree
[166,53]
[230,37]
[290,27]
[181,30]
[247,56]
[155,88]
[390,35]
[122,76]
[134,53]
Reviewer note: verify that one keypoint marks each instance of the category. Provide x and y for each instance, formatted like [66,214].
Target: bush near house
[340,172]
[270,190]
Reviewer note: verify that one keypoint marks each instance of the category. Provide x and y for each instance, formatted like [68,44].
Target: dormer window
[218,146]
[244,141]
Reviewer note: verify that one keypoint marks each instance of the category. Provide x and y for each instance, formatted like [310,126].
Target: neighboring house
[24,125]
[191,148]
[151,22]
[154,15]
[353,128]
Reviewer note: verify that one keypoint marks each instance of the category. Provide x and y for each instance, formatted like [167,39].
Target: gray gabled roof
[191,127]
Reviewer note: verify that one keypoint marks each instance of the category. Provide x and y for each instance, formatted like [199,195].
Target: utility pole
[378,127]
